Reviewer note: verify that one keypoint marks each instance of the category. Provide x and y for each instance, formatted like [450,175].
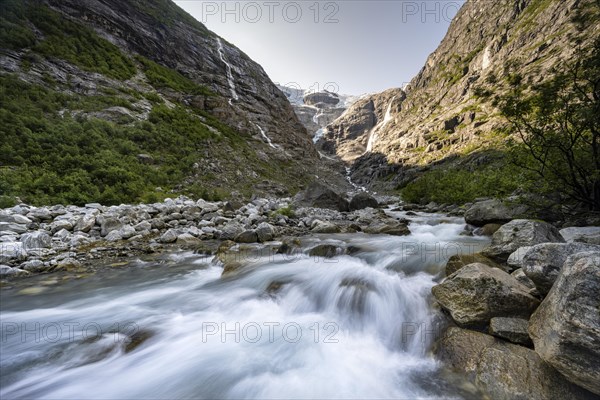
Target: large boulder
[265,232]
[320,196]
[543,262]
[520,233]
[494,211]
[388,227]
[504,370]
[363,200]
[458,261]
[476,293]
[511,329]
[319,226]
[36,240]
[566,327]
[588,234]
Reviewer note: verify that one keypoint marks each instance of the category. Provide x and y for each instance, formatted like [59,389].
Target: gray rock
[114,236]
[36,240]
[207,207]
[458,261]
[324,251]
[12,251]
[108,224]
[248,236]
[476,293]
[60,224]
[505,371]
[542,263]
[68,264]
[363,200]
[588,234]
[186,239]
[127,231]
[85,223]
[34,266]
[15,218]
[566,327]
[320,196]
[521,277]
[40,214]
[494,211]
[62,234]
[388,227]
[319,226]
[520,233]
[512,329]
[143,226]
[265,232]
[515,260]
[6,271]
[169,236]
[230,231]
[12,227]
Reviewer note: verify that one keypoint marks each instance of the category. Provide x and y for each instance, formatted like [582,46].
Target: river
[290,326]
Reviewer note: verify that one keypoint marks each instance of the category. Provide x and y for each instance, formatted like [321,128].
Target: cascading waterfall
[350,181]
[374,134]
[264,135]
[230,81]
[292,326]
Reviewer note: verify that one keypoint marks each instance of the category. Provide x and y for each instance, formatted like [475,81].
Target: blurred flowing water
[355,326]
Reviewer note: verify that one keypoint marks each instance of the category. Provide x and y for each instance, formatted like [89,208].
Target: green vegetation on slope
[46,158]
[162,77]
[61,38]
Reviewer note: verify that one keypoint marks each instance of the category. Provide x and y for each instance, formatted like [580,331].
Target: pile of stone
[526,312]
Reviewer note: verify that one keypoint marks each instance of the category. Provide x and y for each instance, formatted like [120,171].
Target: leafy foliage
[62,38]
[46,158]
[162,77]
[458,186]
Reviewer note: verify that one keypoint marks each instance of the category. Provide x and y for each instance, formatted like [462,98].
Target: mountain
[443,116]
[120,101]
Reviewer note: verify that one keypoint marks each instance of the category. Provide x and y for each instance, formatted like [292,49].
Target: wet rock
[566,327]
[512,329]
[187,240]
[476,293]
[9,272]
[458,261]
[69,264]
[390,227]
[494,211]
[487,229]
[363,200]
[520,233]
[505,371]
[324,251]
[137,339]
[34,266]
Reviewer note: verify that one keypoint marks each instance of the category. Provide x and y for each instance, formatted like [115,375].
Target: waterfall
[264,135]
[234,95]
[374,134]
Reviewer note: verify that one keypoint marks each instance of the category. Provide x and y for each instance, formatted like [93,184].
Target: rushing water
[356,326]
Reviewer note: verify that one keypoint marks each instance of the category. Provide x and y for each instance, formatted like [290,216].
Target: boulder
[494,211]
[511,329]
[515,260]
[320,196]
[187,239]
[521,277]
[319,226]
[476,293]
[108,224]
[363,200]
[12,227]
[230,231]
[505,371]
[248,236]
[543,262]
[588,234]
[520,233]
[169,236]
[265,232]
[36,240]
[389,227]
[324,250]
[60,224]
[85,223]
[566,327]
[458,261]
[12,251]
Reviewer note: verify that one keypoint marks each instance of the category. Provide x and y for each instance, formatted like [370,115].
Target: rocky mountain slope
[162,100]
[486,49]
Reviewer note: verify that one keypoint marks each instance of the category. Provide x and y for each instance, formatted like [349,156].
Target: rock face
[458,261]
[493,211]
[476,293]
[543,262]
[566,327]
[441,115]
[588,234]
[520,233]
[320,196]
[511,329]
[504,370]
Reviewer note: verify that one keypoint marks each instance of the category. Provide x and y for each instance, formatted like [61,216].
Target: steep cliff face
[488,47]
[137,62]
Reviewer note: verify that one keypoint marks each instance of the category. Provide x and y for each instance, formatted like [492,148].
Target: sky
[347,47]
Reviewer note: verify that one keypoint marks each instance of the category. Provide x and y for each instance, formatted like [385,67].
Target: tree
[558,126]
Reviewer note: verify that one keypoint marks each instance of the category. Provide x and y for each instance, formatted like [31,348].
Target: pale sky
[355,47]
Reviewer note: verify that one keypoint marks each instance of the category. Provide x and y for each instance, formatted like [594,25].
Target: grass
[162,77]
